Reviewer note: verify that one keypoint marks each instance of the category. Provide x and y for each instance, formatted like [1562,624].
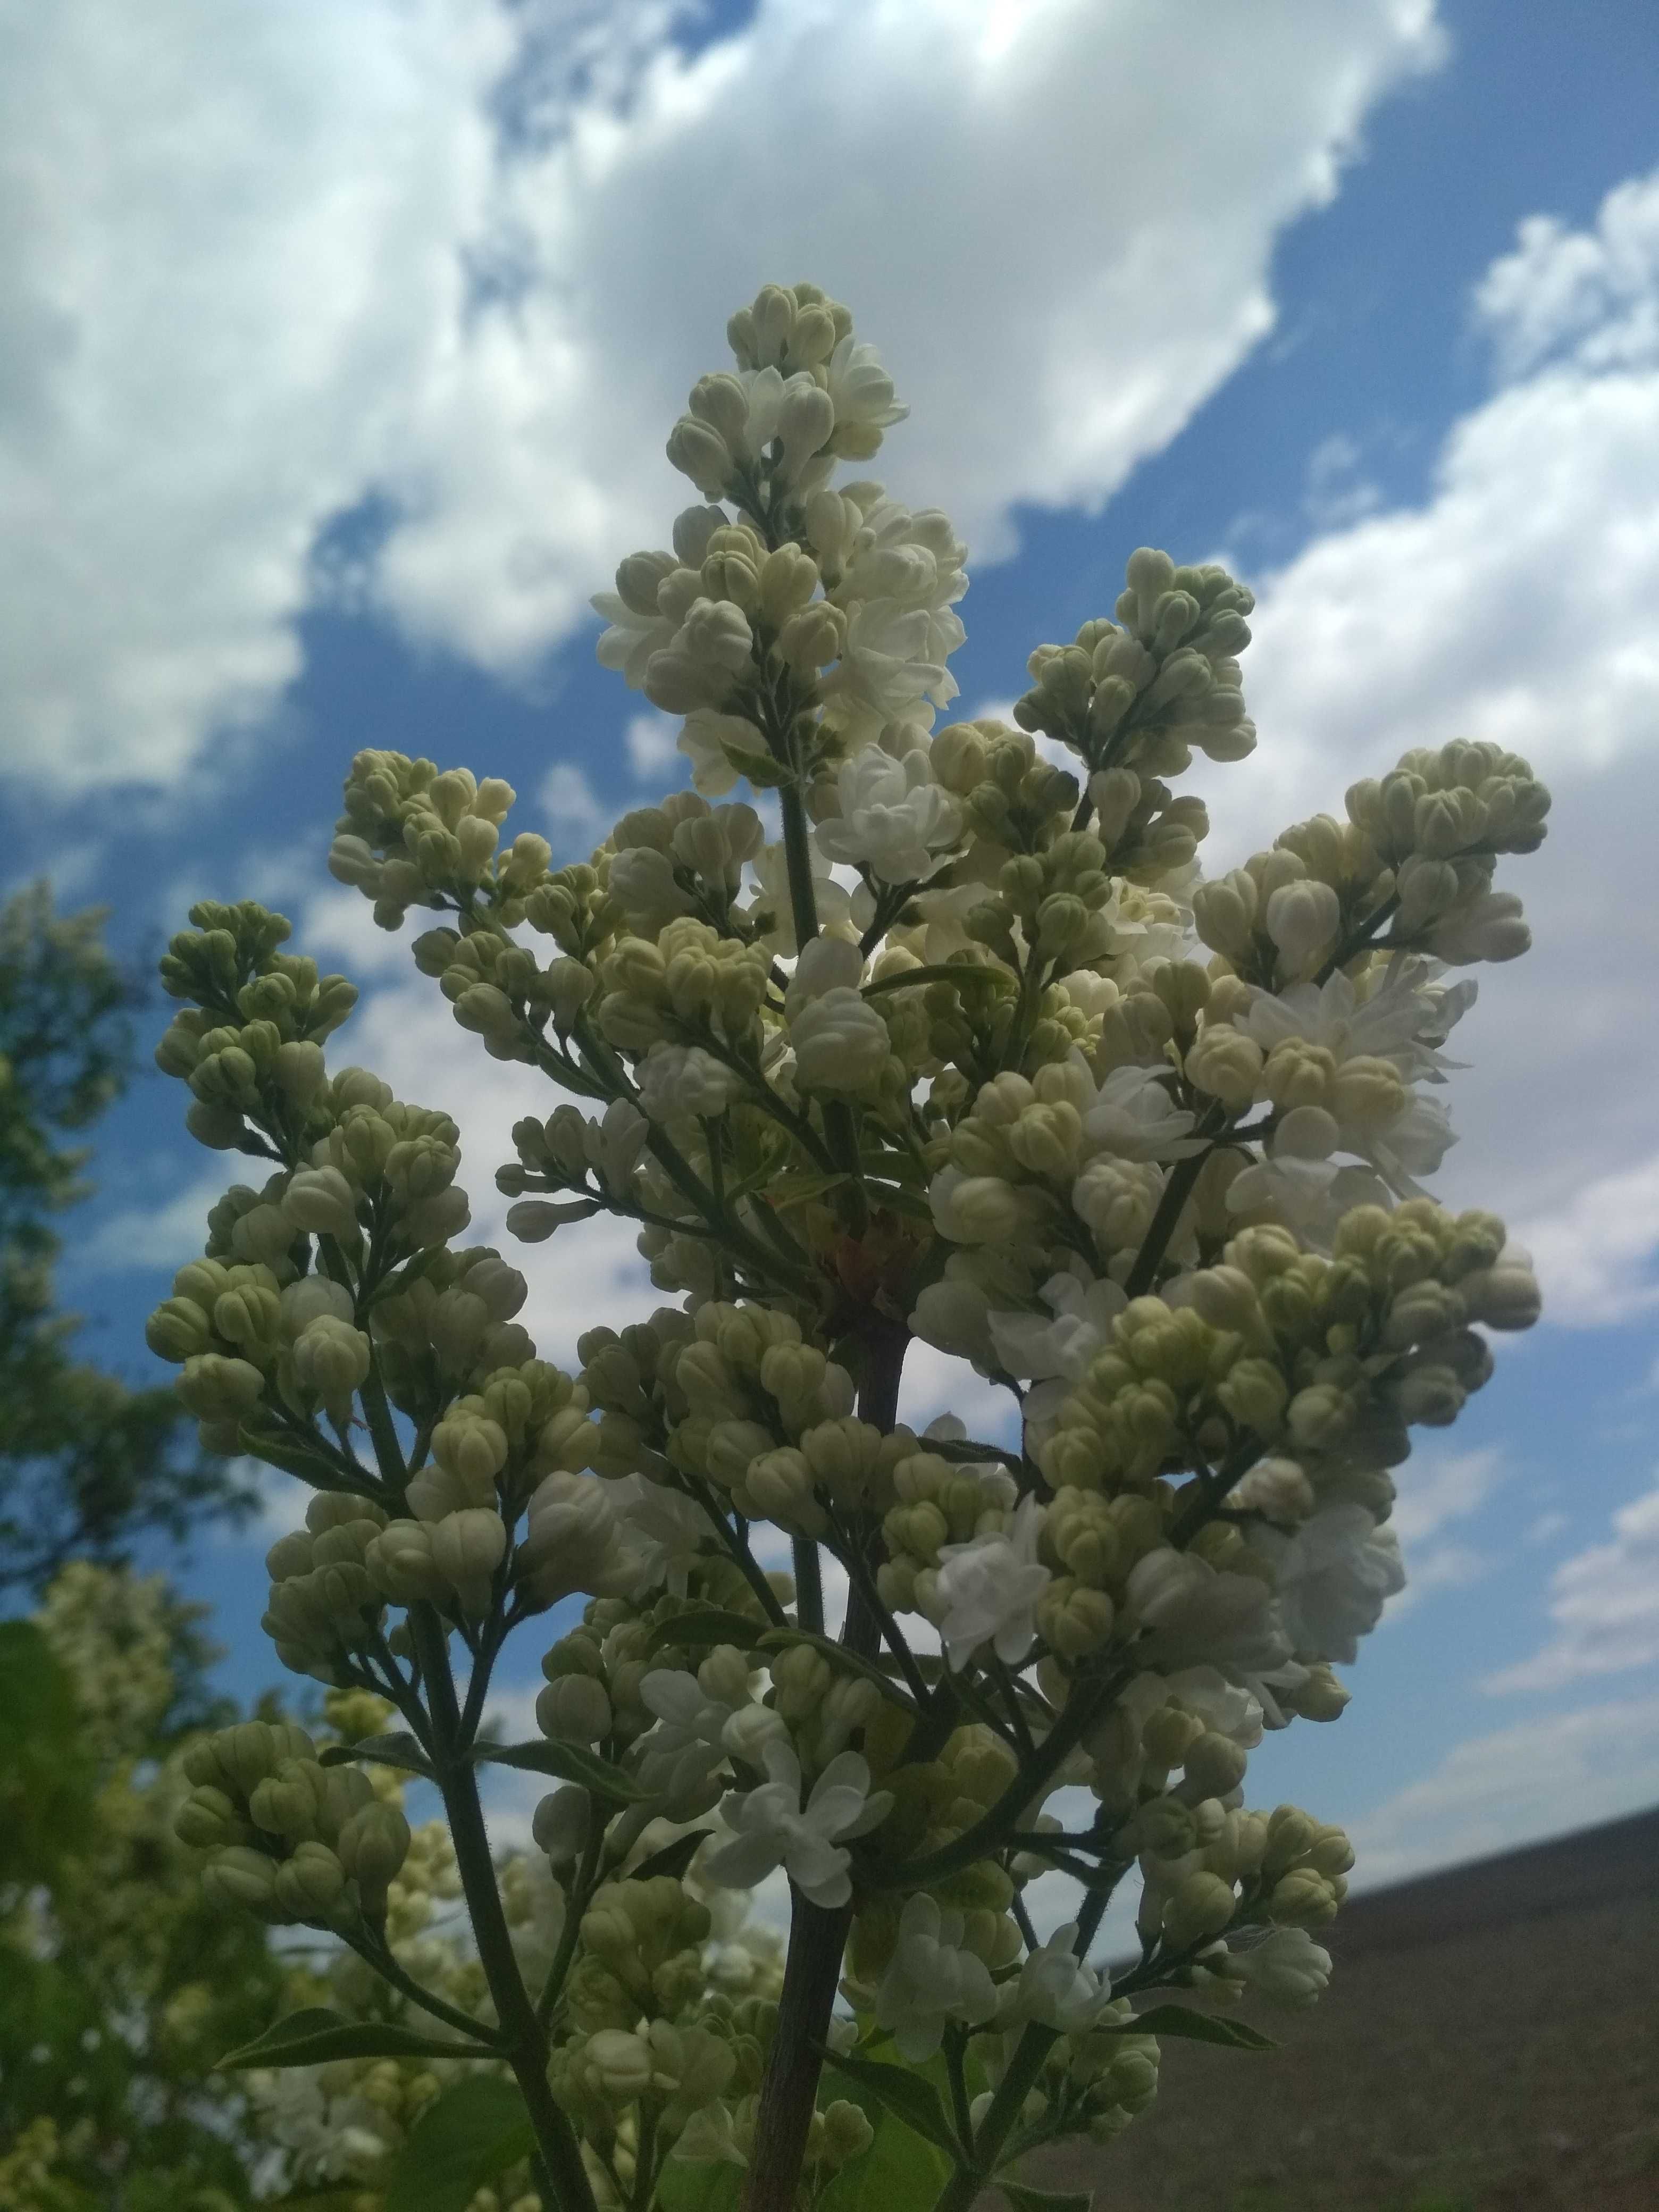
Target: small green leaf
[306,2038]
[801,1190]
[849,1662]
[278,1449]
[744,1629]
[688,2184]
[1025,2198]
[400,1750]
[459,2144]
[568,1762]
[905,2094]
[1176,2020]
[673,1859]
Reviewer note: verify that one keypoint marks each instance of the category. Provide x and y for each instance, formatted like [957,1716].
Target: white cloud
[164,1235]
[1437,1486]
[573,817]
[1516,1786]
[268,266]
[652,743]
[1515,605]
[1604,1606]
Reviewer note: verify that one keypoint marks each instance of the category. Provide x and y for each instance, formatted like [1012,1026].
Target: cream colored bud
[321,1201]
[243,1877]
[400,1563]
[698,451]
[1225,1063]
[813,638]
[575,1709]
[311,1886]
[1200,1904]
[1303,920]
[332,1358]
[467,1548]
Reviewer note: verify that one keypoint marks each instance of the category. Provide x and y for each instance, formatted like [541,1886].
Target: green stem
[1176,1191]
[559,2158]
[817,1934]
[580,1889]
[378,1955]
[809,1585]
[797,857]
[1015,2087]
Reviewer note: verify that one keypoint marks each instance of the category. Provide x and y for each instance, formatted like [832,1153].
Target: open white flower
[688,1742]
[894,817]
[1287,1968]
[1056,1988]
[990,1588]
[1134,1118]
[772,1827]
[1054,1350]
[1335,1575]
[932,1980]
[859,388]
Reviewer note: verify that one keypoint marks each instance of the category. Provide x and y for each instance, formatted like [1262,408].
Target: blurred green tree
[88,1467]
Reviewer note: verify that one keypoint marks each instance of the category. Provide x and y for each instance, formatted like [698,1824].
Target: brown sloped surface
[1489,2043]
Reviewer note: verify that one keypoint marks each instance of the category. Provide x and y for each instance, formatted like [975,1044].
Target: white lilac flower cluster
[961,1047]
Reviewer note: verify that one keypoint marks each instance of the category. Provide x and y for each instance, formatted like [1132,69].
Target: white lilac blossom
[1286,1967]
[894,817]
[771,1827]
[689,1742]
[840,1041]
[859,388]
[1334,1576]
[1053,1352]
[989,1589]
[968,1051]
[677,1081]
[1055,1988]
[932,1981]
[1133,1117]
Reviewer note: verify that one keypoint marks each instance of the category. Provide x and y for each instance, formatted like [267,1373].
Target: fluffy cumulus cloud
[462,257]
[1516,1785]
[1603,1608]
[1515,604]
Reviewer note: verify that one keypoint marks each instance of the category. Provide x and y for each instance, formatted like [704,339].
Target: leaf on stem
[905,2094]
[399,1750]
[673,1859]
[296,1458]
[746,1630]
[459,2144]
[314,2034]
[1025,2198]
[568,1762]
[1197,2027]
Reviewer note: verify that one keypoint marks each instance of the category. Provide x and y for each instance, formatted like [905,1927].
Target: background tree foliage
[88,1467]
[124,1982]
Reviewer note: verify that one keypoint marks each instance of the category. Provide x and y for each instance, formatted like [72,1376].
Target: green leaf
[904,2093]
[460,2143]
[308,2037]
[400,1750]
[278,1449]
[800,1189]
[901,2168]
[1025,2198]
[746,1630]
[673,1859]
[1198,2027]
[688,2184]
[568,1762]
[849,1662]
[46,1774]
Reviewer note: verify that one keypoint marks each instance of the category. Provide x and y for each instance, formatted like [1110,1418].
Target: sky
[343,338]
